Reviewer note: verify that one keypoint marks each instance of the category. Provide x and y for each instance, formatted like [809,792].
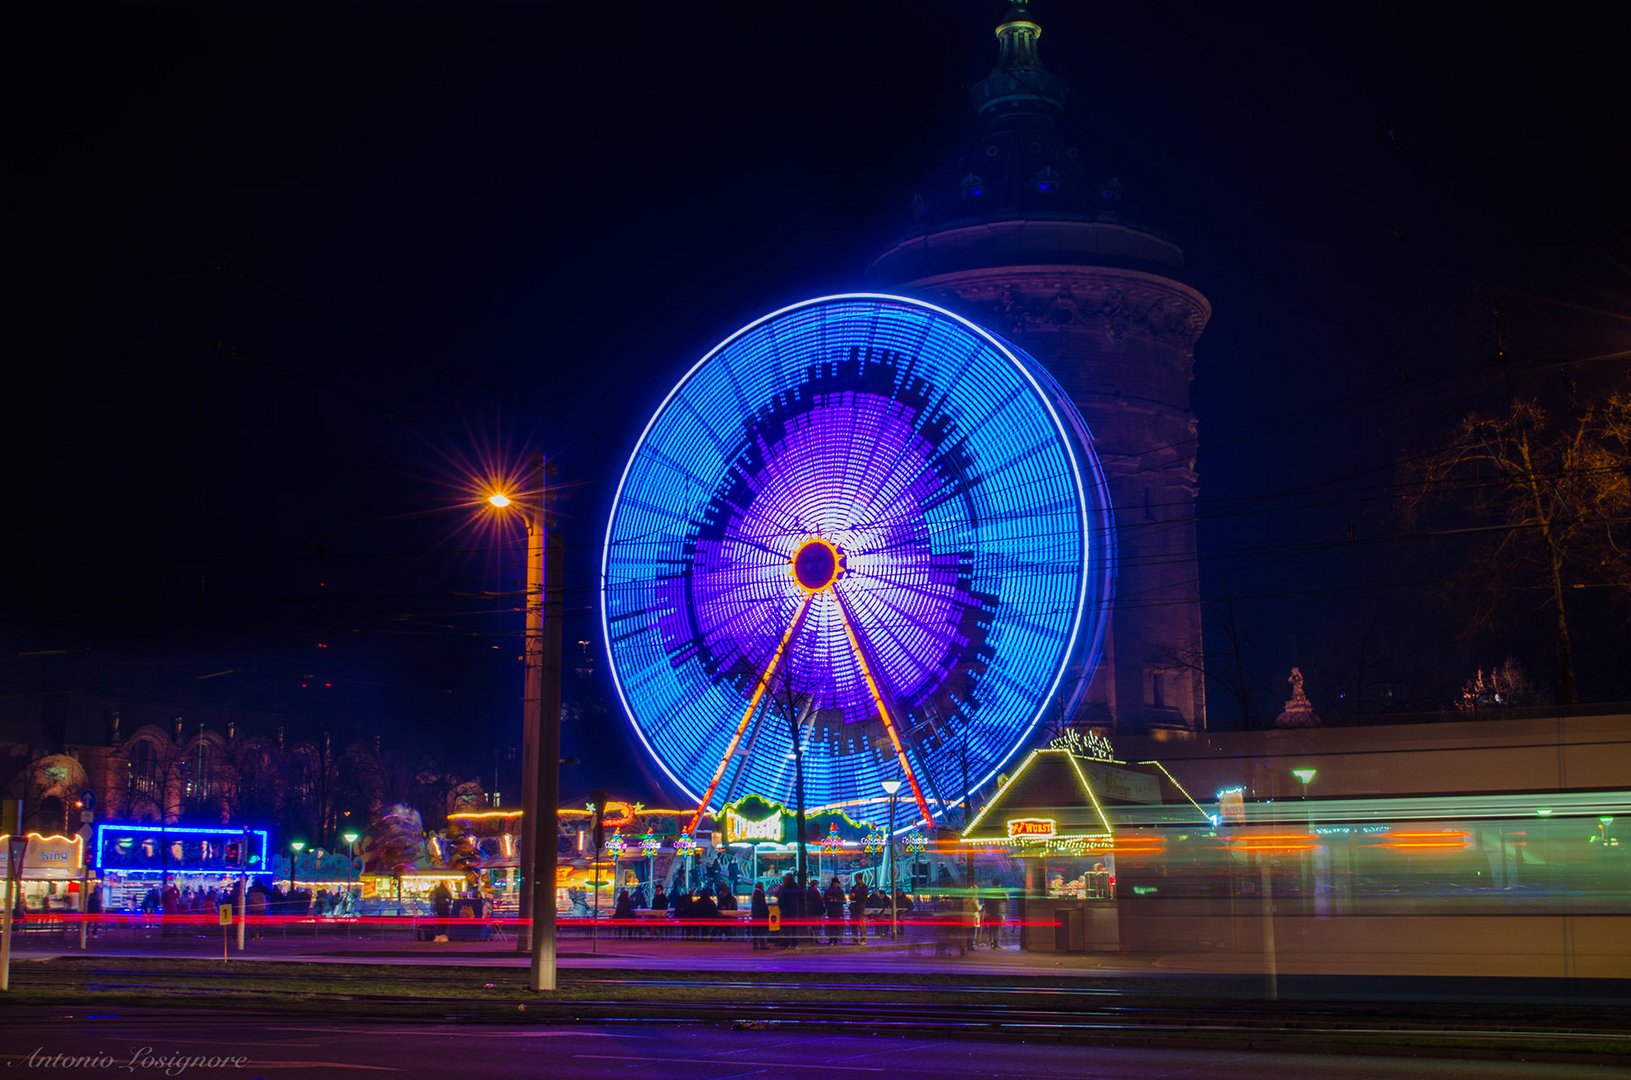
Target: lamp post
[541,725]
[243,886]
[350,839]
[892,789]
[16,851]
[1305,776]
[294,866]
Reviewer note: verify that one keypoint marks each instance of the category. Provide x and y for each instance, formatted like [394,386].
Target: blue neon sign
[145,849]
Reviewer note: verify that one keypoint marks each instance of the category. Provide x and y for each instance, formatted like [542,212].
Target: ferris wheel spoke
[753,706]
[883,708]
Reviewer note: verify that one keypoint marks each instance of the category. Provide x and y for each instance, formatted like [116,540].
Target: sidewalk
[1302,975]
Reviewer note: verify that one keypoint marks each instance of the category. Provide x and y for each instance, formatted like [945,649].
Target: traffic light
[234,853]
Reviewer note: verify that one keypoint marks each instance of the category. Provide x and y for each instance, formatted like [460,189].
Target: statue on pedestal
[1298,711]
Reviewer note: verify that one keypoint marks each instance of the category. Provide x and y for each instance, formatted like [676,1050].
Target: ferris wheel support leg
[753,705]
[883,712]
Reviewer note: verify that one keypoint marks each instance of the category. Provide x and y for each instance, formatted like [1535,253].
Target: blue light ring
[787,368]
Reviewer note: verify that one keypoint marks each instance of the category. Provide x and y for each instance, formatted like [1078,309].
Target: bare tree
[795,714]
[1225,667]
[1554,497]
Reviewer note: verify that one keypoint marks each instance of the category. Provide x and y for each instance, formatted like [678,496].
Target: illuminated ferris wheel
[862,535]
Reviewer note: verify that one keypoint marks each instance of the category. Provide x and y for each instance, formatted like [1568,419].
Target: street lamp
[16,851]
[541,724]
[350,839]
[294,864]
[1305,776]
[892,789]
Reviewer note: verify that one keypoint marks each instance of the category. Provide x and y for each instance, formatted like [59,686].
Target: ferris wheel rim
[1021,363]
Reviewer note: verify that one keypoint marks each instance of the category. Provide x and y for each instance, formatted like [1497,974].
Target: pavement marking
[693,1061]
[450,1033]
[913,1046]
[269,1065]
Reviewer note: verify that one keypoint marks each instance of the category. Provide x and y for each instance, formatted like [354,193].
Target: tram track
[884,1008]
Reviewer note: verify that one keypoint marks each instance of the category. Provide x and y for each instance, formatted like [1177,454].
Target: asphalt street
[687,958]
[46,1042]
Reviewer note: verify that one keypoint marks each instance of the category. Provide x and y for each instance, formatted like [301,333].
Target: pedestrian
[971,913]
[682,907]
[857,911]
[93,908]
[255,908]
[790,901]
[659,899]
[170,907]
[622,914]
[995,912]
[706,908]
[759,910]
[833,900]
[441,902]
[813,906]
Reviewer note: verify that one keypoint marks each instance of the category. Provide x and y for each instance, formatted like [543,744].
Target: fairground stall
[1049,839]
[758,843]
[487,843]
[136,861]
[53,873]
[330,878]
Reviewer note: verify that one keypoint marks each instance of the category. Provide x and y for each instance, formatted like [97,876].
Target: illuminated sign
[739,829]
[1021,828]
[179,849]
[1089,744]
[47,856]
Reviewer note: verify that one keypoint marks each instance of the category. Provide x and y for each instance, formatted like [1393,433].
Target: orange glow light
[1420,841]
[1274,843]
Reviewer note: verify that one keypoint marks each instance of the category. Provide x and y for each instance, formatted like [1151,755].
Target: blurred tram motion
[1519,884]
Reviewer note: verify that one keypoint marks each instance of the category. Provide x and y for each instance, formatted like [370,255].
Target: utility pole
[541,712]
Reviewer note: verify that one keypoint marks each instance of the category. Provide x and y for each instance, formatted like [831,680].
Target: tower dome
[1032,236]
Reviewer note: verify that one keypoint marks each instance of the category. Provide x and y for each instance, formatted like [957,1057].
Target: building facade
[209,768]
[1031,240]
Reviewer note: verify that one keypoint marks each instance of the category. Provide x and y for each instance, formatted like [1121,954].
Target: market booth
[52,874]
[133,859]
[1063,817]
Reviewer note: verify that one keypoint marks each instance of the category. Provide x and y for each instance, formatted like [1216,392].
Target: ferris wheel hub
[817,564]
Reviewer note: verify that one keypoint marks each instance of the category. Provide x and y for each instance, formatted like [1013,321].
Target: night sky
[288,276]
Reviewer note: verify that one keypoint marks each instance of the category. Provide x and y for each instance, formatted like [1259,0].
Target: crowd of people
[804,912]
[259,899]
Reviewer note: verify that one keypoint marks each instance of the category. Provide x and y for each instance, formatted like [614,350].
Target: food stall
[52,873]
[1052,825]
[133,859]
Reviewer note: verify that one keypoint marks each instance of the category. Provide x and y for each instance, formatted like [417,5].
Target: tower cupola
[1019,88]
